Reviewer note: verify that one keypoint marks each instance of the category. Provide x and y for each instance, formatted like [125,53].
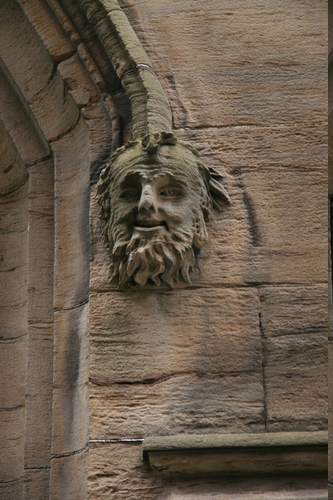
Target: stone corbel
[155,194]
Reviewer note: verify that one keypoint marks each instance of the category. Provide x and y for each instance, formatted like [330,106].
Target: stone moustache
[156,196]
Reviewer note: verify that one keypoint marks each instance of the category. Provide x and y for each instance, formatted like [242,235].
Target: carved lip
[149,225]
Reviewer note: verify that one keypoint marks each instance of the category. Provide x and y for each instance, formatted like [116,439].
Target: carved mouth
[149,224]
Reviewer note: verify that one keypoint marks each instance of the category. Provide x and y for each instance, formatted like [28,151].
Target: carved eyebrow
[170,178]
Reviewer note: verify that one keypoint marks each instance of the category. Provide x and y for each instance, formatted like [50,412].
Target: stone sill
[238,454]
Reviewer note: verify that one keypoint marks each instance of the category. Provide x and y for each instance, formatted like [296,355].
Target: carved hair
[212,191]
[165,259]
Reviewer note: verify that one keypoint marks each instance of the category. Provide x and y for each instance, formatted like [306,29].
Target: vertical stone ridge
[150,106]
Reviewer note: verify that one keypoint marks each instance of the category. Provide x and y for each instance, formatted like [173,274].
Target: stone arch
[62,112]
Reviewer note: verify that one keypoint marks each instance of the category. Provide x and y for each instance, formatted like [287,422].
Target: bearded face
[155,204]
[157,217]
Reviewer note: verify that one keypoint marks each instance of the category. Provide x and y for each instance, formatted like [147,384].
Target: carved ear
[216,188]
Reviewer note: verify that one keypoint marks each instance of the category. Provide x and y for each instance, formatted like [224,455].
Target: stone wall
[243,349]
[240,350]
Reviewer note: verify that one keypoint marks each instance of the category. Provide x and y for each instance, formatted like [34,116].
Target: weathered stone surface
[98,120]
[294,324]
[11,490]
[235,150]
[36,484]
[82,87]
[254,489]
[330,414]
[55,108]
[69,476]
[117,471]
[13,172]
[11,443]
[19,56]
[38,419]
[296,382]
[149,335]
[14,211]
[13,372]
[240,57]
[13,327]
[41,242]
[149,363]
[19,121]
[291,310]
[187,403]
[34,72]
[14,291]
[48,27]
[71,155]
[71,388]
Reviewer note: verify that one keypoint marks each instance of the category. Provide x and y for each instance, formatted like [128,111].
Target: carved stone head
[155,196]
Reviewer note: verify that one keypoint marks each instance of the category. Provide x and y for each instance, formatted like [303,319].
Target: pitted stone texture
[34,72]
[118,472]
[294,326]
[13,173]
[177,404]
[166,361]
[71,387]
[11,490]
[232,64]
[151,334]
[36,484]
[41,241]
[12,443]
[48,27]
[69,476]
[13,372]
[71,156]
[38,419]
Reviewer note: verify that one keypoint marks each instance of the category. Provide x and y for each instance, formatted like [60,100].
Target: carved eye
[131,193]
[170,191]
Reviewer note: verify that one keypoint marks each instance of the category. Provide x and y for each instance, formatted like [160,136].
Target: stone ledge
[238,454]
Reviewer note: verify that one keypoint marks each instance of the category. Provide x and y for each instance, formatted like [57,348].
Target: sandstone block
[81,85]
[12,443]
[69,476]
[36,484]
[292,310]
[48,27]
[38,419]
[296,382]
[117,471]
[11,490]
[13,172]
[13,372]
[20,56]
[137,336]
[55,108]
[19,121]
[98,120]
[178,404]
[14,210]
[41,242]
[71,155]
[241,54]
[71,389]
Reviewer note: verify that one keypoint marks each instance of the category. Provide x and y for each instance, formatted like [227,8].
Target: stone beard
[155,206]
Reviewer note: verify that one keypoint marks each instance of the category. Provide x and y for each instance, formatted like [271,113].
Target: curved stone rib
[150,106]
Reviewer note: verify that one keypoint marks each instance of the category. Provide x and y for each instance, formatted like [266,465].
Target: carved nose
[147,201]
